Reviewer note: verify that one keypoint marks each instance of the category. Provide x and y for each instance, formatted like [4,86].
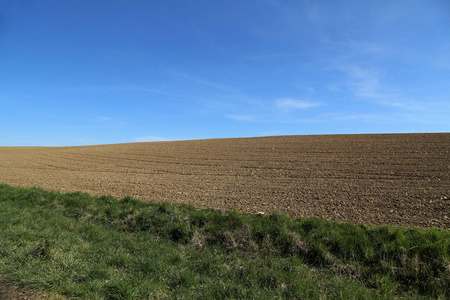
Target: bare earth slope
[398,179]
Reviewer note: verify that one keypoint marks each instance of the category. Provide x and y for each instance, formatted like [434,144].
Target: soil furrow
[398,179]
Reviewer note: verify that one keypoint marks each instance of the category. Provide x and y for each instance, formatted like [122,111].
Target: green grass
[89,247]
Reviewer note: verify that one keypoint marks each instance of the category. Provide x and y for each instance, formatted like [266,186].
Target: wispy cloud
[247,118]
[211,94]
[289,104]
[360,48]
[339,116]
[271,56]
[150,139]
[365,84]
[204,82]
[276,112]
[109,121]
[442,59]
[271,132]
[103,119]
[148,90]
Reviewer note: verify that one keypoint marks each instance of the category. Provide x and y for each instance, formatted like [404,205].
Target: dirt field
[401,179]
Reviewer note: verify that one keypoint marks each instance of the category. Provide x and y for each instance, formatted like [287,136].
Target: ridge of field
[396,179]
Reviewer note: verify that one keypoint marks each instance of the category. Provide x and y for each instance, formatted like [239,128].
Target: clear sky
[95,71]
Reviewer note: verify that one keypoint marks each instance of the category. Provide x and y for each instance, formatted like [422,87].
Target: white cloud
[365,84]
[359,48]
[288,104]
[276,112]
[150,139]
[203,82]
[271,133]
[330,117]
[248,118]
[109,122]
[442,59]
[268,56]
[103,119]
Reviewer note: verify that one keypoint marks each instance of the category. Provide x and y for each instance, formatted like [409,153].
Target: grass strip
[88,247]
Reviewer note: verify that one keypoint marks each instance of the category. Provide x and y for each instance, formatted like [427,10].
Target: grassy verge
[89,247]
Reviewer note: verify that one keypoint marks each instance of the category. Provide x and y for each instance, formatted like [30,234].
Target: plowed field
[398,179]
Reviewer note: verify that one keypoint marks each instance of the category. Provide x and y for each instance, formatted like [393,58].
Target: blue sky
[95,72]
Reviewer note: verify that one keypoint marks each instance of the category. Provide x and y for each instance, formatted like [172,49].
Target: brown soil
[10,292]
[398,179]
[13,293]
